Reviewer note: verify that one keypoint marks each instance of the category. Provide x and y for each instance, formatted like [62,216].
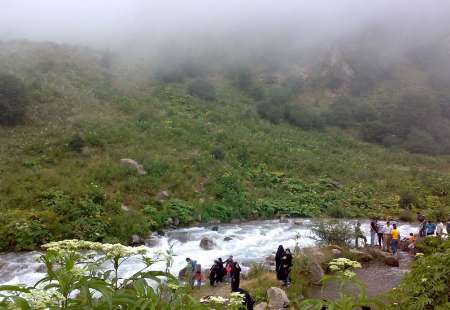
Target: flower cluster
[236,298]
[344,265]
[214,300]
[43,299]
[110,250]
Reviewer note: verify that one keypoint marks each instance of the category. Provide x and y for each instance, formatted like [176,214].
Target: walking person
[286,264]
[395,239]
[359,234]
[235,276]
[278,258]
[373,232]
[192,272]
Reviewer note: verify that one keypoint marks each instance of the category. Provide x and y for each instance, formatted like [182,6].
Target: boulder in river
[277,298]
[133,164]
[235,221]
[137,240]
[207,244]
[284,219]
[215,228]
[227,238]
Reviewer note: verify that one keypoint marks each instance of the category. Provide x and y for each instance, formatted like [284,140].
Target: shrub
[203,89]
[76,143]
[338,211]
[333,232]
[218,153]
[13,100]
[407,200]
[406,216]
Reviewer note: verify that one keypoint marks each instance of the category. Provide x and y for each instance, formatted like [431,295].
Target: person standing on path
[359,234]
[235,276]
[440,229]
[278,257]
[220,271]
[286,265]
[373,232]
[395,239]
[387,237]
[430,228]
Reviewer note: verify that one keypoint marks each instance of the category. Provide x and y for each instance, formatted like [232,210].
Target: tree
[203,89]
[13,100]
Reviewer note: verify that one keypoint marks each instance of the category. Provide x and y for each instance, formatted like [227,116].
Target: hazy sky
[112,22]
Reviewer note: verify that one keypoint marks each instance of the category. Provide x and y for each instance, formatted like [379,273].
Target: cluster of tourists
[221,271]
[387,236]
[283,264]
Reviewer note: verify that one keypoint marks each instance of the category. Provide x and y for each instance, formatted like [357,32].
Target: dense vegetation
[208,151]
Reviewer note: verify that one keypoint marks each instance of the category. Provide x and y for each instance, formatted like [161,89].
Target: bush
[407,200]
[333,232]
[337,211]
[406,216]
[13,100]
[76,143]
[218,153]
[203,89]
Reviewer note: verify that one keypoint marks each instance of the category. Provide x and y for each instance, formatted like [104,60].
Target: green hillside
[215,143]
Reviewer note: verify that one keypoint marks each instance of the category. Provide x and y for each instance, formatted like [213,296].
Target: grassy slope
[173,135]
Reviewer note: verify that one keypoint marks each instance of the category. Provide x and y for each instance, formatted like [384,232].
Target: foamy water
[251,242]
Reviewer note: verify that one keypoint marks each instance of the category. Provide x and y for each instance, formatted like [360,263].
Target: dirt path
[377,277]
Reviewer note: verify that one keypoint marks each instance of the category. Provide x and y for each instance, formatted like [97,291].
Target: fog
[141,24]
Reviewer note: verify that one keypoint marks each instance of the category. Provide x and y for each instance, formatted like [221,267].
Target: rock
[391,261]
[215,228]
[137,240]
[314,253]
[41,268]
[361,256]
[182,274]
[336,253]
[316,273]
[133,164]
[261,306]
[227,238]
[176,221]
[169,221]
[377,252]
[207,244]
[277,298]
[214,222]
[283,219]
[298,222]
[235,221]
[161,233]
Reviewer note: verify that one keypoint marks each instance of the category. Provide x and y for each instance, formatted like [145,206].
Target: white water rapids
[251,242]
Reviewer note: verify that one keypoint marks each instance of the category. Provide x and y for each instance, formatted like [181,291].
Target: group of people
[219,271]
[429,228]
[385,234]
[283,264]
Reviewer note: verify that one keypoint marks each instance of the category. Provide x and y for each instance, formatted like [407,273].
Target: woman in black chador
[235,276]
[278,256]
[213,273]
[286,264]
[220,270]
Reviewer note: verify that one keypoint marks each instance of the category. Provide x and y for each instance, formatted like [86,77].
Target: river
[251,242]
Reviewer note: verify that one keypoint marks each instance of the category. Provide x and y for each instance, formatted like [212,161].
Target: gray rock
[277,298]
[361,256]
[298,222]
[316,273]
[133,164]
[261,306]
[176,221]
[137,240]
[215,228]
[227,238]
[391,261]
[283,219]
[207,244]
[336,253]
[214,222]
[235,221]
